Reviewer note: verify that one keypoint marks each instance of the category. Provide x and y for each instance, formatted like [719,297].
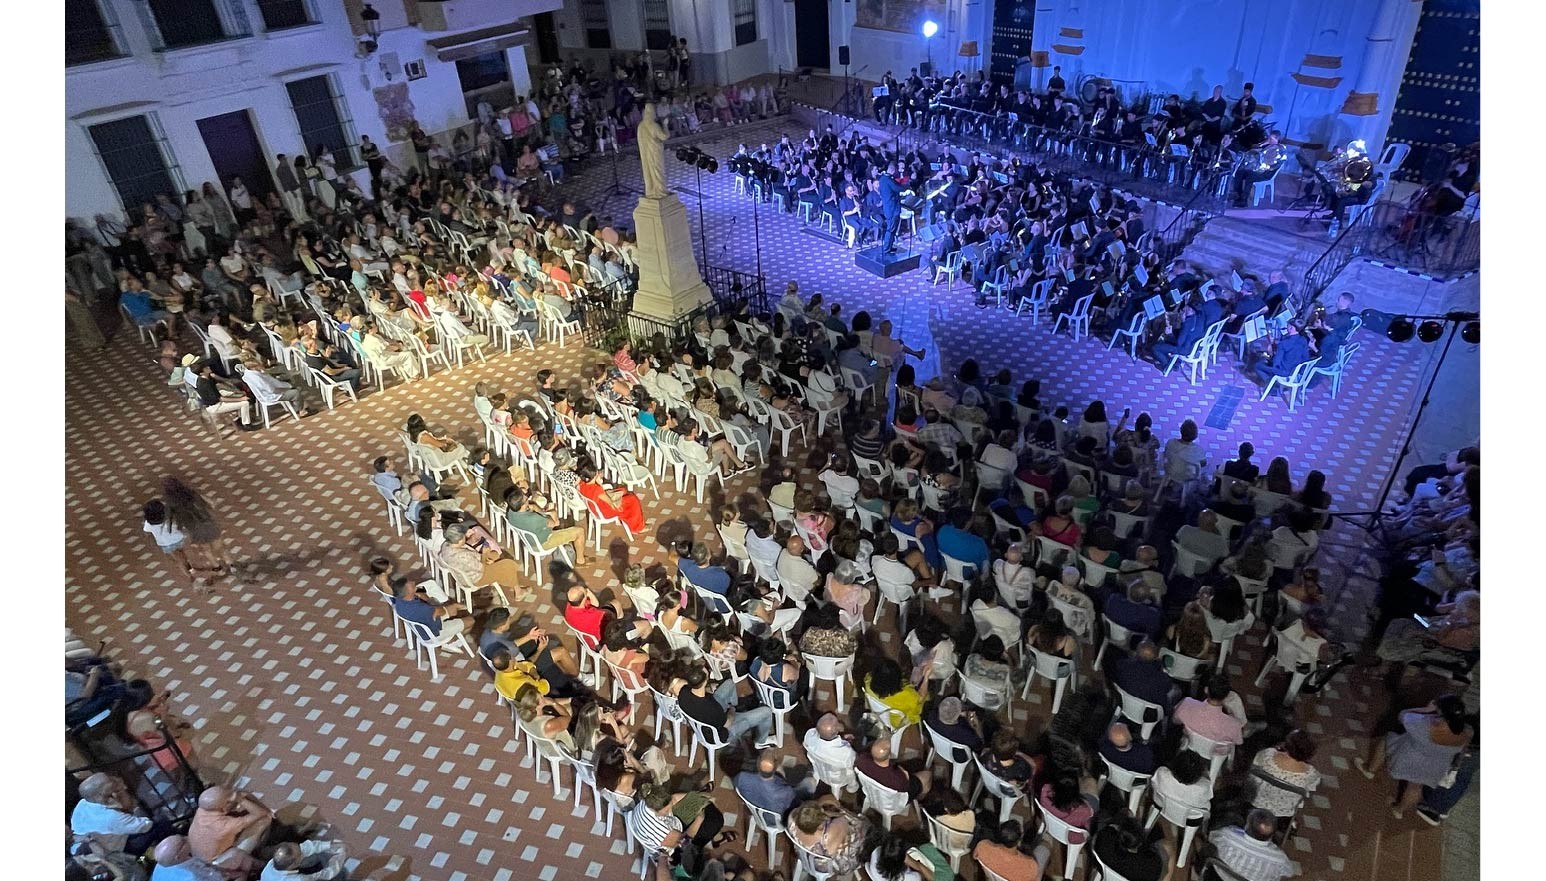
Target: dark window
[317,110]
[745,21]
[87,36]
[657,25]
[187,22]
[482,71]
[597,24]
[130,150]
[281,14]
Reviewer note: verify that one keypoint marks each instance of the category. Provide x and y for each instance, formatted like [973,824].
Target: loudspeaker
[842,55]
[926,69]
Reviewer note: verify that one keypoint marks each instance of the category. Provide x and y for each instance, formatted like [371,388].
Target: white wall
[1189,46]
[876,51]
[184,86]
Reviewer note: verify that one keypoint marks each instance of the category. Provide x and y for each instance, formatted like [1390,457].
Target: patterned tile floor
[300,693]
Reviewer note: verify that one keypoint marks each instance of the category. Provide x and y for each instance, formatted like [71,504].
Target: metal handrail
[184,784]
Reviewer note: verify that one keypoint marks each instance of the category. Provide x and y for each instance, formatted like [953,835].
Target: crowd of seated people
[1062,247]
[132,764]
[1011,535]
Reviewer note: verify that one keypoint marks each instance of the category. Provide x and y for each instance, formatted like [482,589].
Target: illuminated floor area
[297,687]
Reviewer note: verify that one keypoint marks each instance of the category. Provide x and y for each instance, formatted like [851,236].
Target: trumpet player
[1259,164]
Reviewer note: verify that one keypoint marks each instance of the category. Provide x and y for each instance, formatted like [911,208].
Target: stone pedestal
[670,286]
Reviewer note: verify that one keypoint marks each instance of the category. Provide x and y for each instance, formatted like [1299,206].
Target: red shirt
[587,620]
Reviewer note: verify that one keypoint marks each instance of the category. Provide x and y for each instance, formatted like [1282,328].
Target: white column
[1041,41]
[1368,107]
[520,74]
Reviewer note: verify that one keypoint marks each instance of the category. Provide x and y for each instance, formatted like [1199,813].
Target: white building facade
[164,95]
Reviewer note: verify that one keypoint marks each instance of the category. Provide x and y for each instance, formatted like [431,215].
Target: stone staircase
[1228,243]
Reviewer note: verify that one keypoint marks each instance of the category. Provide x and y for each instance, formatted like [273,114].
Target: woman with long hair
[189,512]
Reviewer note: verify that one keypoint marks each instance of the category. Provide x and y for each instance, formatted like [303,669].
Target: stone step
[1228,243]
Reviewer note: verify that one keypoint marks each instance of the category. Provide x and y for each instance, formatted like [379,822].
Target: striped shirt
[652,829]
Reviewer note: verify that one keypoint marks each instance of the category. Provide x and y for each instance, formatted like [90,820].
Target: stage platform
[880,265]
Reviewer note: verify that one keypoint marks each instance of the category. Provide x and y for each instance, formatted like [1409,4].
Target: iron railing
[169,796]
[605,315]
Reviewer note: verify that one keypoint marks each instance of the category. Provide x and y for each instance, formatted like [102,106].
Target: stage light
[930,28]
[1400,330]
[1472,333]
[1430,331]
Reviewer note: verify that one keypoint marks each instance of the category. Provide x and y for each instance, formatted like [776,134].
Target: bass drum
[1251,135]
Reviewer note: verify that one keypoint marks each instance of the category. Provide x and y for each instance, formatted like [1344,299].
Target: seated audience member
[1184,782]
[1141,675]
[951,719]
[1249,850]
[1120,748]
[523,512]
[175,862]
[479,565]
[705,706]
[1122,845]
[304,861]
[1062,799]
[107,813]
[1011,853]
[228,828]
[767,787]
[1208,718]
[879,766]
[827,743]
[1289,764]
[412,604]
[587,615]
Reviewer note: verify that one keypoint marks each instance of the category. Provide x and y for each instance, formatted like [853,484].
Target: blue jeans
[758,719]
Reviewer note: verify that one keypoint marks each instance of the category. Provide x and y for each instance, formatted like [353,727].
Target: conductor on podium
[891,187]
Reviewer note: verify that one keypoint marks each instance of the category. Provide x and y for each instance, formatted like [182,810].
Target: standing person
[188,511]
[290,188]
[891,186]
[372,156]
[169,538]
[1422,751]
[241,201]
[421,145]
[87,334]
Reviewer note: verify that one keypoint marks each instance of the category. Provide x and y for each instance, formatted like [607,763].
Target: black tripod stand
[617,188]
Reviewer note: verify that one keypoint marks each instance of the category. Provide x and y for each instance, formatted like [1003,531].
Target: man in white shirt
[825,744]
[388,355]
[220,336]
[1016,582]
[1000,453]
[106,812]
[269,388]
[1249,851]
[842,487]
[459,333]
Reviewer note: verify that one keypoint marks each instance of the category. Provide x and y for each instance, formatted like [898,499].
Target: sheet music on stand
[1148,138]
[1153,308]
[1235,281]
[1180,150]
[1095,204]
[880,92]
[1001,177]
[1142,275]
[1107,289]
[1283,318]
[1175,297]
[1255,328]
[1081,231]
[1117,249]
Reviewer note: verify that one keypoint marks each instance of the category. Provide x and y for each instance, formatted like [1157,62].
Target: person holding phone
[475,562]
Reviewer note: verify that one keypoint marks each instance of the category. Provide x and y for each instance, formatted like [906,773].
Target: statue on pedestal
[652,154]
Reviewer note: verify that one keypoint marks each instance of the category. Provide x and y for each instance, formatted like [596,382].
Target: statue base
[670,286]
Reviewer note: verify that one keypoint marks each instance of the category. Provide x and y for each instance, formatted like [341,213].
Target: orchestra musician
[1244,107]
[1055,84]
[1213,111]
[1258,165]
[1186,333]
[1283,355]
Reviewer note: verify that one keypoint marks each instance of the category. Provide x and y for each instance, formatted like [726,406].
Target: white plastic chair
[266,400]
[1132,333]
[762,821]
[899,594]
[1294,384]
[1217,752]
[1337,371]
[808,863]
[785,425]
[666,710]
[330,387]
[425,641]
[708,737]
[1144,714]
[952,843]
[982,694]
[1266,188]
[951,268]
[1006,793]
[1078,318]
[824,669]
[1058,671]
[886,801]
[837,776]
[779,700]
[1036,300]
[956,754]
[1195,360]
[1187,821]
[534,555]
[893,720]
[1063,832]
[1129,782]
[1182,668]
[958,571]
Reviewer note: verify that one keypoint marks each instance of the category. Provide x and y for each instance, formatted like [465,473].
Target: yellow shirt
[520,673]
[907,701]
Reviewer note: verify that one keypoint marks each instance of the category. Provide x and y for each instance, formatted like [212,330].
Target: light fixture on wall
[930,28]
[371,19]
